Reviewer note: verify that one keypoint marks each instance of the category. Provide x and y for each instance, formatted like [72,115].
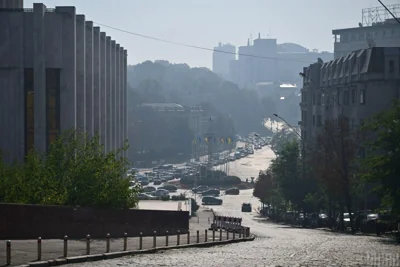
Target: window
[313,120]
[353,96]
[391,66]
[353,123]
[319,99]
[29,110]
[346,97]
[338,98]
[319,120]
[362,97]
[53,104]
[313,99]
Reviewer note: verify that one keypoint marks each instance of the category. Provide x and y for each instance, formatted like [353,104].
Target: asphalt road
[275,245]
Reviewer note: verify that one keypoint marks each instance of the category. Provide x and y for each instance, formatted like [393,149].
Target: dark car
[211,192]
[211,201]
[246,207]
[232,191]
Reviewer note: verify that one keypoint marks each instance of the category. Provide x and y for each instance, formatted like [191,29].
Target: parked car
[246,207]
[200,189]
[211,192]
[211,201]
[157,182]
[346,220]
[232,191]
[148,189]
[323,220]
[161,193]
[144,196]
[169,187]
[368,223]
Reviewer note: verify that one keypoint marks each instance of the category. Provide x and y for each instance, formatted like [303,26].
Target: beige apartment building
[357,85]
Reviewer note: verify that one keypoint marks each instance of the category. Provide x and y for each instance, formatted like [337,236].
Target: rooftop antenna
[259,35]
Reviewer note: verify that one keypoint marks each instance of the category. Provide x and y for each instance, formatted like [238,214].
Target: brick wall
[31,221]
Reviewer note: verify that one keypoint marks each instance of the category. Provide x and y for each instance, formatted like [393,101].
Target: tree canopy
[75,171]
[163,82]
[381,164]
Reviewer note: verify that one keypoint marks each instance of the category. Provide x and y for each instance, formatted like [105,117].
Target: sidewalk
[24,251]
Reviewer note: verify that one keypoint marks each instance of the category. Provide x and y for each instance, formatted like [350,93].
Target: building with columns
[58,72]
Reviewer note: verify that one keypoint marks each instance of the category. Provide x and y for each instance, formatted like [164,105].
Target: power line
[388,10]
[195,46]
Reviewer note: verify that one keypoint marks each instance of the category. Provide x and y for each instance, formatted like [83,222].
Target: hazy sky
[207,22]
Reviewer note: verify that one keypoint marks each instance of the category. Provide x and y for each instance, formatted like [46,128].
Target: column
[121,98]
[39,74]
[80,73]
[68,72]
[96,81]
[112,93]
[125,100]
[89,78]
[108,93]
[117,90]
[103,81]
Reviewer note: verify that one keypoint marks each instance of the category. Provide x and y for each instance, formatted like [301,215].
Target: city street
[275,245]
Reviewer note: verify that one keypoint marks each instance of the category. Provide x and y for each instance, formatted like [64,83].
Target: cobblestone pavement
[276,245]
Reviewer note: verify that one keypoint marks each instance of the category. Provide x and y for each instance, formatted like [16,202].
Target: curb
[113,255]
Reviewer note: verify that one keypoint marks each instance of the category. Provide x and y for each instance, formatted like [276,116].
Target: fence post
[188,237]
[227,233]
[65,246]
[220,234]
[39,248]
[205,237]
[178,237]
[166,238]
[140,241]
[234,233]
[240,232]
[198,236]
[154,239]
[107,243]
[87,244]
[8,252]
[125,241]
[213,231]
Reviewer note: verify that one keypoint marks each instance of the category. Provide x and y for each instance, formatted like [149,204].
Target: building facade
[58,72]
[222,56]
[377,29]
[356,86]
[265,61]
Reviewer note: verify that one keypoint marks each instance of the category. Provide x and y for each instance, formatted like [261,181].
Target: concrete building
[265,61]
[378,28]
[358,86]
[57,72]
[222,56]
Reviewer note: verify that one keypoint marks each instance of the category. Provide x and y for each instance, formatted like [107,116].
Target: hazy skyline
[206,23]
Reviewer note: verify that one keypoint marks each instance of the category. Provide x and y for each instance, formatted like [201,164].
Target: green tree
[381,165]
[74,172]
